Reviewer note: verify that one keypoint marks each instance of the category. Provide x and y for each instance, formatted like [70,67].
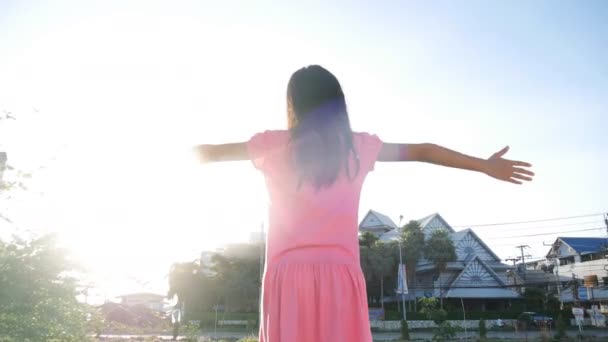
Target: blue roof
[586,245]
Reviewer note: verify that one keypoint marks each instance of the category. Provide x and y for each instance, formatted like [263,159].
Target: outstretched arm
[223,152]
[495,166]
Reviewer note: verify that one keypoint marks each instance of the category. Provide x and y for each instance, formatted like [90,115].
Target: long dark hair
[319,126]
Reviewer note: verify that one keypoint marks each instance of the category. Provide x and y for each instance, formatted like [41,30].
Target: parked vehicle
[540,320]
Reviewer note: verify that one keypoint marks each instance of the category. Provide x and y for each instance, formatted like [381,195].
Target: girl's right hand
[507,170]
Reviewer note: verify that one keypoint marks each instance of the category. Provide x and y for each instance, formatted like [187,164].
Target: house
[376,223]
[477,275]
[152,301]
[580,256]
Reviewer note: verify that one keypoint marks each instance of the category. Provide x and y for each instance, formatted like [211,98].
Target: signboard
[583,293]
[579,315]
[578,311]
[402,280]
[376,314]
[597,318]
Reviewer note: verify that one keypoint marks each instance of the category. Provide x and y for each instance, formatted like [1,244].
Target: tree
[367,239]
[534,298]
[378,263]
[405,330]
[440,250]
[383,264]
[37,290]
[560,326]
[366,268]
[237,275]
[37,297]
[412,240]
[186,282]
[445,331]
[483,331]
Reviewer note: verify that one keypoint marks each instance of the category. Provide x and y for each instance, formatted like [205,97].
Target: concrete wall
[582,269]
[470,324]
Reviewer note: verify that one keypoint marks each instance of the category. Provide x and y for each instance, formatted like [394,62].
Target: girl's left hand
[508,170]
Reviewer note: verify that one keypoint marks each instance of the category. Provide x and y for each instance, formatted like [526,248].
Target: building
[477,275]
[152,301]
[378,224]
[578,257]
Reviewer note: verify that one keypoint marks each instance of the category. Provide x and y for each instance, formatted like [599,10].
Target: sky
[110,96]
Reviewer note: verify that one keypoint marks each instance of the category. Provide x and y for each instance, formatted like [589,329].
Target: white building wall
[582,269]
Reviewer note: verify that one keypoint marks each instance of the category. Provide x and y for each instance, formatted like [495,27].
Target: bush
[191,331]
[482,329]
[560,325]
[405,331]
[248,339]
[37,298]
[525,320]
[444,332]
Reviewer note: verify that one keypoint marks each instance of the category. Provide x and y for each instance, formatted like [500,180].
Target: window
[566,261]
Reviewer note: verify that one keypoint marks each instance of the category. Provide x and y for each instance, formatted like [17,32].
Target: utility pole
[523,258]
[555,261]
[514,273]
[3,159]
[514,259]
[262,245]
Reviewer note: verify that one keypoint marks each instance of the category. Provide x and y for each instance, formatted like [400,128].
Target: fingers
[514,181]
[523,171]
[501,152]
[522,177]
[520,163]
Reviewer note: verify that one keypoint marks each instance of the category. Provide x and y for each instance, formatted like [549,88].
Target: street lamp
[402,270]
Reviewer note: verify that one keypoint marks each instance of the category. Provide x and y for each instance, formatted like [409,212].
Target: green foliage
[232,279]
[37,298]
[192,287]
[535,299]
[483,331]
[237,278]
[440,249]
[190,331]
[524,320]
[367,239]
[249,339]
[378,263]
[405,330]
[412,239]
[444,332]
[430,308]
[560,325]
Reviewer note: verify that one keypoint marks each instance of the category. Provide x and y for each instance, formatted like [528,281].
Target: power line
[554,225]
[541,234]
[530,221]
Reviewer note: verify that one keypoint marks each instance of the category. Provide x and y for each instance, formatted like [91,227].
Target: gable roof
[583,245]
[143,295]
[425,221]
[383,219]
[483,265]
[479,240]
[391,235]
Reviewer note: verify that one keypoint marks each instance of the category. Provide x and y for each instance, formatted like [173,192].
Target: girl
[313,287]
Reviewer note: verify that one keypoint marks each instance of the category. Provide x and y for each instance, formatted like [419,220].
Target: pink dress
[313,287]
